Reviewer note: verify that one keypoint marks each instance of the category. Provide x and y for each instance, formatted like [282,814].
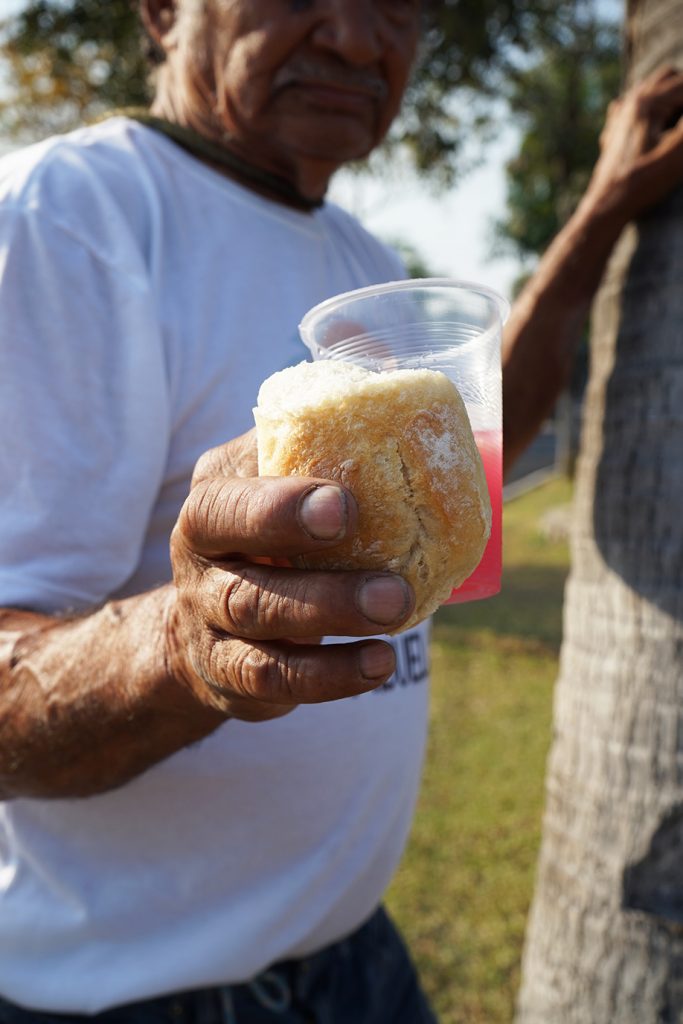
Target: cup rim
[408,284]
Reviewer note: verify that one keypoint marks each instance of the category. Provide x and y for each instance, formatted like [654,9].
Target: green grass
[462,893]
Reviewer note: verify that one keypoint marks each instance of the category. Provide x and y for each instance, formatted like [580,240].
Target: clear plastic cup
[437,324]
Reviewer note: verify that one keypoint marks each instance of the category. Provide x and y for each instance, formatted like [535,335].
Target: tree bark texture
[605,935]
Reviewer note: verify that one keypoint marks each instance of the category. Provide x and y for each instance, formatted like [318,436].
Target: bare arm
[87,704]
[641,162]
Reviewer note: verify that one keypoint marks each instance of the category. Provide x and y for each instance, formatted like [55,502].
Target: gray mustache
[340,75]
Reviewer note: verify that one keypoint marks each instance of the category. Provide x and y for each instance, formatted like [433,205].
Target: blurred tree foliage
[560,101]
[68,61]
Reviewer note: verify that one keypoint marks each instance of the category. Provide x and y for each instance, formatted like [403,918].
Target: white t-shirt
[143,299]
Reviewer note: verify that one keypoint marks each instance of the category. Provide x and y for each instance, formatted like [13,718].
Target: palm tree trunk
[605,936]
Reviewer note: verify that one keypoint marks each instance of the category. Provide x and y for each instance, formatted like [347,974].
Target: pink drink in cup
[485,580]
[438,324]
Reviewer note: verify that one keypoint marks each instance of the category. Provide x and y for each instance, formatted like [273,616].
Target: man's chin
[335,152]
[333,138]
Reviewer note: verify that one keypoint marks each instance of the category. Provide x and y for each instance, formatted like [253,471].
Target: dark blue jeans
[367,978]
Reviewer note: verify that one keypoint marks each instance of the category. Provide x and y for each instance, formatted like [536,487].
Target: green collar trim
[201,147]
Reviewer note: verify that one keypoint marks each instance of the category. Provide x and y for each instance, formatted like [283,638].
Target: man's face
[308,79]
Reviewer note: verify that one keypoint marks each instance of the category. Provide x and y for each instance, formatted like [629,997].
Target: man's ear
[158,17]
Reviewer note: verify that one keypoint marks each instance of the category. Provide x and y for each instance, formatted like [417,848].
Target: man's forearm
[87,704]
[547,320]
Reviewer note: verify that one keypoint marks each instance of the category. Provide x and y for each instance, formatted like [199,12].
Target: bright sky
[451,231]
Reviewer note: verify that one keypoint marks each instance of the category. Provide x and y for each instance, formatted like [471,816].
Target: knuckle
[234,675]
[259,674]
[231,674]
[252,603]
[239,601]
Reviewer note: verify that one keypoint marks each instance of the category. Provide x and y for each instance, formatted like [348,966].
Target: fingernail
[377,661]
[383,599]
[322,513]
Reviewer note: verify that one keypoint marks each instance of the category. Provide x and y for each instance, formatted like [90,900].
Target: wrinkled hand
[242,620]
[641,145]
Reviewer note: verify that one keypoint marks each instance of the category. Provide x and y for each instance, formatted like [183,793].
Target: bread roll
[402,443]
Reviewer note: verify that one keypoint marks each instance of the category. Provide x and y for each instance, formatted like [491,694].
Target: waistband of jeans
[272,988]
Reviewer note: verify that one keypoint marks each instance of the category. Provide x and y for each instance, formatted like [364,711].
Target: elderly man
[173,843]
